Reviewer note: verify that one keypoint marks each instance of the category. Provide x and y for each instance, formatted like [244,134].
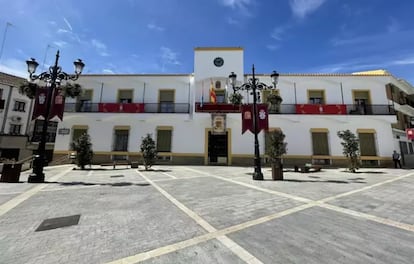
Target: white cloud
[152,26]
[15,67]
[108,71]
[60,44]
[243,6]
[406,61]
[277,33]
[67,23]
[301,8]
[100,47]
[272,47]
[168,57]
[236,3]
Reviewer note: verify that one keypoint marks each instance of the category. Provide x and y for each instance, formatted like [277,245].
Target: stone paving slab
[224,204]
[316,185]
[317,235]
[204,253]
[394,201]
[115,222]
[122,216]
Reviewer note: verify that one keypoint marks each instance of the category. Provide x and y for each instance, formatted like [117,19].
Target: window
[320,143]
[1,94]
[362,102]
[125,96]
[316,96]
[367,144]
[410,146]
[15,129]
[166,101]
[85,101]
[220,96]
[19,106]
[121,140]
[164,137]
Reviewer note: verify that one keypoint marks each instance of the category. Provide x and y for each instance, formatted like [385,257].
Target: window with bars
[320,144]
[121,140]
[15,129]
[164,138]
[367,144]
[125,96]
[19,106]
[316,96]
[166,101]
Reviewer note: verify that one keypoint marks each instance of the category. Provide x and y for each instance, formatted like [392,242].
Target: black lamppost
[52,77]
[254,84]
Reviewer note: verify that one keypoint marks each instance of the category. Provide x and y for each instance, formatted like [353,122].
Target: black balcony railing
[127,108]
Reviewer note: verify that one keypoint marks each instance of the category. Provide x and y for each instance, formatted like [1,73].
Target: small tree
[149,151]
[83,148]
[275,149]
[350,144]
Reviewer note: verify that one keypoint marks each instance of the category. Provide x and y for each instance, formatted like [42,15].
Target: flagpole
[4,38]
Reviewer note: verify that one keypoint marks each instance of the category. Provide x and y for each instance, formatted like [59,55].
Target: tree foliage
[276,146]
[28,89]
[148,150]
[350,144]
[83,148]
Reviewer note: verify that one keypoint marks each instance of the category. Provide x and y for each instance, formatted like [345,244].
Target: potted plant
[274,100]
[72,90]
[28,89]
[275,150]
[236,98]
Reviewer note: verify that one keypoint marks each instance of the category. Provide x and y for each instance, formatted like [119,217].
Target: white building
[118,110]
[15,110]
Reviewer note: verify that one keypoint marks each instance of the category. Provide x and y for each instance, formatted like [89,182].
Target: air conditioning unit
[16,118]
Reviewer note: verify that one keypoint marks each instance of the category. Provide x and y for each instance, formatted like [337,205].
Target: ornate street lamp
[52,77]
[254,84]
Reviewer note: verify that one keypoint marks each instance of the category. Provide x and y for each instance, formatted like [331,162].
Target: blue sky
[159,36]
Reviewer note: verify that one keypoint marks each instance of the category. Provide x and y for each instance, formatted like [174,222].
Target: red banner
[410,133]
[338,109]
[40,103]
[262,118]
[58,105]
[121,108]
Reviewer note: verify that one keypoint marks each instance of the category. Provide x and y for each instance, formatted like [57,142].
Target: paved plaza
[207,214]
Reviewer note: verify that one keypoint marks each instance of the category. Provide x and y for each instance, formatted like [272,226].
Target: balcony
[127,108]
[217,108]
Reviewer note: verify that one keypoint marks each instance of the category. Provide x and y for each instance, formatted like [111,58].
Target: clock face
[218,62]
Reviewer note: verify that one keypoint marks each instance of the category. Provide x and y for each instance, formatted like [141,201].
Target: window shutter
[167,96]
[320,143]
[367,144]
[164,140]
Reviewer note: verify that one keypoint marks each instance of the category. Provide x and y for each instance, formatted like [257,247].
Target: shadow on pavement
[114,184]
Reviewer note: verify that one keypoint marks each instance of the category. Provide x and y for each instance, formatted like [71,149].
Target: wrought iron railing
[127,108]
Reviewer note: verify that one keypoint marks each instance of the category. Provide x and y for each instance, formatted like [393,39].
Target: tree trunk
[277,171]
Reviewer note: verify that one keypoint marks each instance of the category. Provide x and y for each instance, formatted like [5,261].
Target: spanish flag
[213,98]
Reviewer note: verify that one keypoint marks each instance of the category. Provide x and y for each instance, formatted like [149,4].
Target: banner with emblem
[58,105]
[247,118]
[40,103]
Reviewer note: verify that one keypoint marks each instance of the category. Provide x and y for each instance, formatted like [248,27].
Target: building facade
[15,110]
[118,110]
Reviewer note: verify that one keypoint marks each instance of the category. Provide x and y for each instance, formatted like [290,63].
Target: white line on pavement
[7,206]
